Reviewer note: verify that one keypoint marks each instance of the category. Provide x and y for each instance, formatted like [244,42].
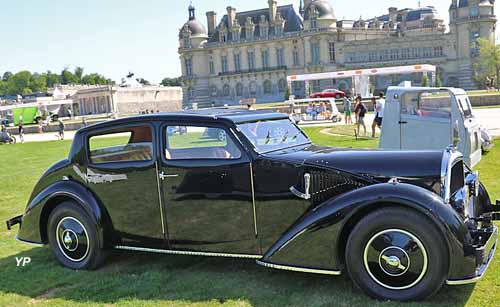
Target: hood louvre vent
[326,185]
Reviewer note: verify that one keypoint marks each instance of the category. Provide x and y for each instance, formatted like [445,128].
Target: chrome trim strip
[160,198]
[253,200]
[186,253]
[483,268]
[298,269]
[29,243]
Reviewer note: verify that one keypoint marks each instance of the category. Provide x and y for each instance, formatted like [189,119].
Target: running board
[297,269]
[186,253]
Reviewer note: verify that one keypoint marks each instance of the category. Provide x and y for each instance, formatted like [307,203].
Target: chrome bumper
[484,254]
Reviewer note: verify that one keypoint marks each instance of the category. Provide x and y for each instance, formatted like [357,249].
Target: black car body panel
[259,204]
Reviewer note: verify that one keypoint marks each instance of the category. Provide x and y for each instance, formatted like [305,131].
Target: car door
[425,121]
[121,171]
[207,190]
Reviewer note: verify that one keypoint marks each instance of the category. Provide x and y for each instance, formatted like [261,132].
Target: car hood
[366,162]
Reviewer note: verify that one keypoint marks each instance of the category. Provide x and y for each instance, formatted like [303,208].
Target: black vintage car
[401,224]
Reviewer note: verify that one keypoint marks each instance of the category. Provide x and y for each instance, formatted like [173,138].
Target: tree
[7,75]
[38,83]
[438,81]
[287,93]
[18,83]
[487,63]
[143,81]
[425,81]
[52,79]
[27,91]
[67,77]
[3,88]
[171,82]
[79,75]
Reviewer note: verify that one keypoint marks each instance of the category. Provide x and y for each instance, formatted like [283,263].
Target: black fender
[317,240]
[34,221]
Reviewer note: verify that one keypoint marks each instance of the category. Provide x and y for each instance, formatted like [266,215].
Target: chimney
[231,16]
[393,12]
[273,9]
[211,22]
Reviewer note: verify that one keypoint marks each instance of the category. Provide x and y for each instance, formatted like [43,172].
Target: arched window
[213,90]
[239,89]
[226,90]
[282,85]
[253,88]
[268,87]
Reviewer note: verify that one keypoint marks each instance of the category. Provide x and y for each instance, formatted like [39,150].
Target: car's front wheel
[397,254]
[73,238]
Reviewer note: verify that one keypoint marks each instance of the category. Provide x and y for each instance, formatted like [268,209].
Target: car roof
[230,116]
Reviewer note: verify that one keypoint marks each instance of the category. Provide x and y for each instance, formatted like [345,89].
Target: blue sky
[113,37]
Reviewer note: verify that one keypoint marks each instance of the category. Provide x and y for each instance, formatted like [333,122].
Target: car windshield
[267,136]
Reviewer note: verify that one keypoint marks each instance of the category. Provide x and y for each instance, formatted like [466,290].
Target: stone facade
[249,54]
[127,100]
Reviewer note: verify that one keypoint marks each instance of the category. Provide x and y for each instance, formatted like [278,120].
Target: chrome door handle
[162,175]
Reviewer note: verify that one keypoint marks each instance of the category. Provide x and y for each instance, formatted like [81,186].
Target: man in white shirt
[379,113]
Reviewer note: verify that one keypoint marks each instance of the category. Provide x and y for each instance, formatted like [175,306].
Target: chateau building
[249,54]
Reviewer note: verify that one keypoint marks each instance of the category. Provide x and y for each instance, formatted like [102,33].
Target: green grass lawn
[138,279]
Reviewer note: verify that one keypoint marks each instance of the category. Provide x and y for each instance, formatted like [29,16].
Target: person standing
[61,130]
[360,111]
[21,129]
[309,111]
[347,110]
[379,113]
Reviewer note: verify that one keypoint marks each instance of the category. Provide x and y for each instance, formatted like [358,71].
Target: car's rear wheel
[338,96]
[73,238]
[397,254]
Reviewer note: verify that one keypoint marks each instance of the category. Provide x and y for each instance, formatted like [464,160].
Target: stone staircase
[201,95]
[464,76]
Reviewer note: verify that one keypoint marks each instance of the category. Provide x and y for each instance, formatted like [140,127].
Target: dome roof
[323,7]
[197,29]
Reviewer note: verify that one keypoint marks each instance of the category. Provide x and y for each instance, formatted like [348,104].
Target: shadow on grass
[144,278]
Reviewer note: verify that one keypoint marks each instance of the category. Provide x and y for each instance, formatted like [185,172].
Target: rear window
[427,105]
[122,145]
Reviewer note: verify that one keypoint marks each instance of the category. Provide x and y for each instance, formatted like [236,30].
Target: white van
[417,118]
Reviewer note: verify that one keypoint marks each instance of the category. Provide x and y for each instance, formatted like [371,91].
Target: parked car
[7,122]
[401,224]
[436,117]
[329,93]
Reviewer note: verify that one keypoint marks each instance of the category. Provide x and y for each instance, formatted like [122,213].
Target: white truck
[419,118]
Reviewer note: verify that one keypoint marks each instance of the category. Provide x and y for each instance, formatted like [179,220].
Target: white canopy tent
[361,77]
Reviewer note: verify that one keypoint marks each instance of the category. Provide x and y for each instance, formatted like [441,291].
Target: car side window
[122,145]
[196,142]
[427,105]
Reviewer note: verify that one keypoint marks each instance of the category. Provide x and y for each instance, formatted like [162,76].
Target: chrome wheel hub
[395,259]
